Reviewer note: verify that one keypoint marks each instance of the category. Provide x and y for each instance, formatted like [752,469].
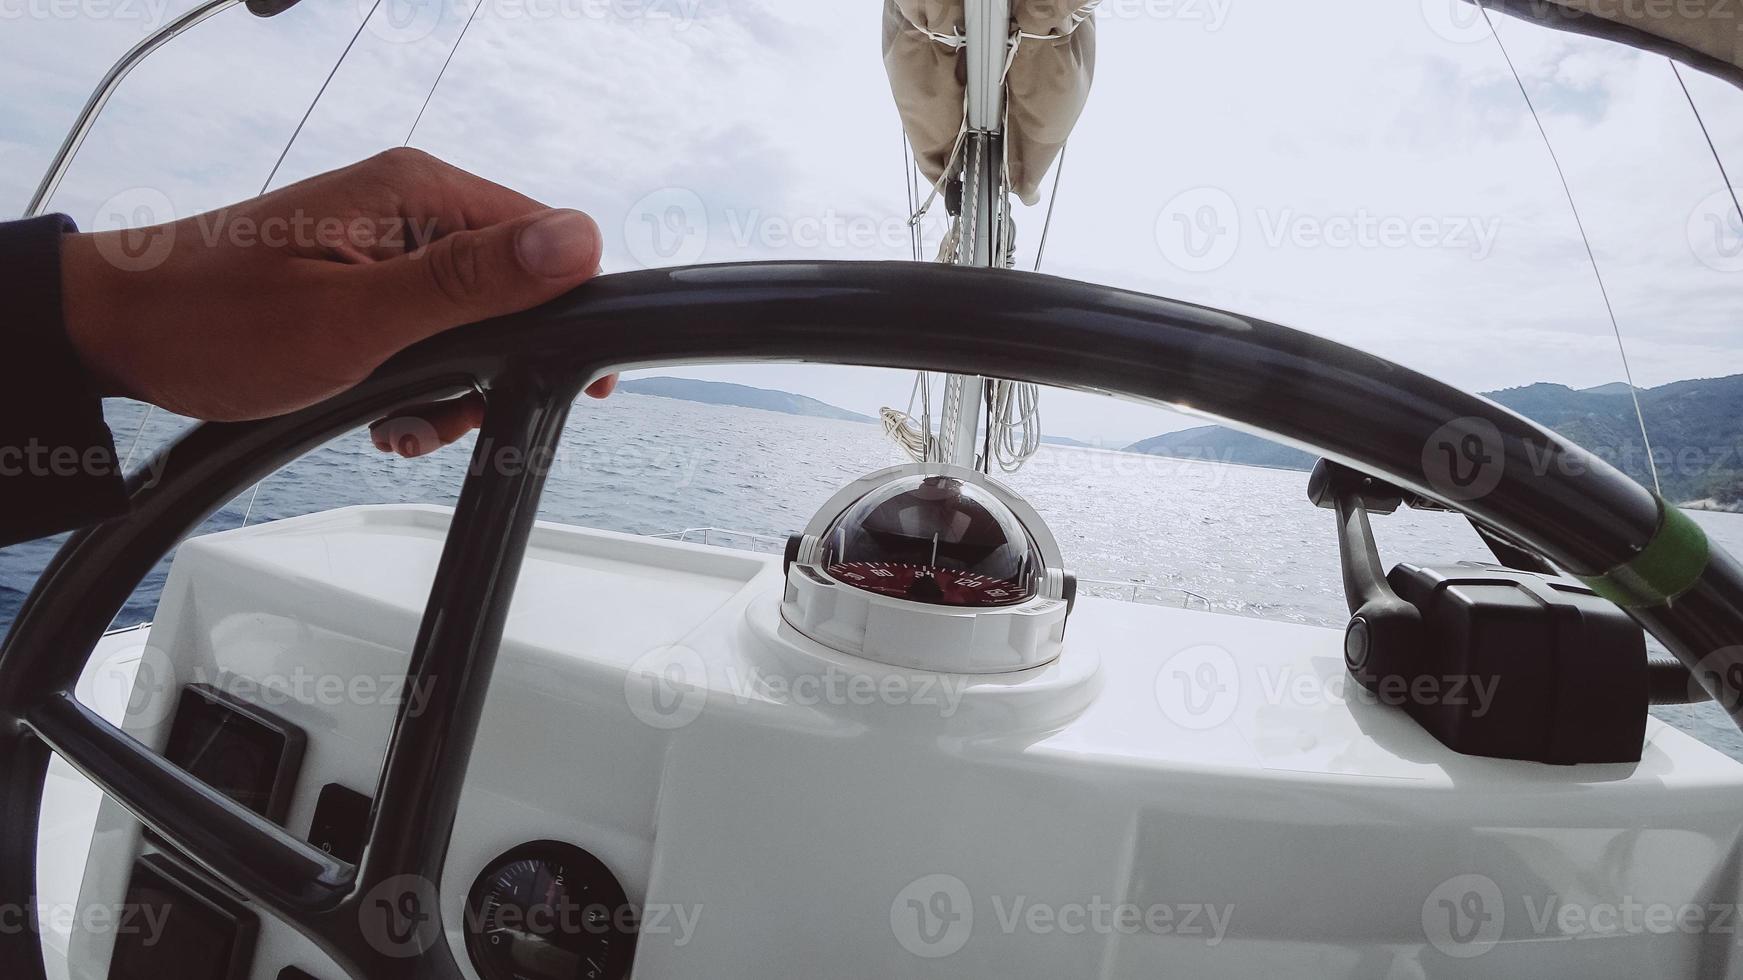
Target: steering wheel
[1351,407]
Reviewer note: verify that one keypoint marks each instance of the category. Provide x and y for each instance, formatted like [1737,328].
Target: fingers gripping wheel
[1582,514]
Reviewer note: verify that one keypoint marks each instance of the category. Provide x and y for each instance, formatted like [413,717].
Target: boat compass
[930,566]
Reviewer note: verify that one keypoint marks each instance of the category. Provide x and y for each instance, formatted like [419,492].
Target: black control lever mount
[1509,660]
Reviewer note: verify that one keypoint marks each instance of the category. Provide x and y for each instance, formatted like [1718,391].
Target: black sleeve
[57,459]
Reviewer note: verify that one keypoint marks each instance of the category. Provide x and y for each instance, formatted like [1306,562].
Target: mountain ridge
[740,396]
[1696,428]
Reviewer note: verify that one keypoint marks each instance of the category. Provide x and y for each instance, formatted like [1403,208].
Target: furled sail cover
[1707,34]
[1046,86]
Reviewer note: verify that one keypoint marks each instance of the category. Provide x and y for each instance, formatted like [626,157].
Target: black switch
[341,822]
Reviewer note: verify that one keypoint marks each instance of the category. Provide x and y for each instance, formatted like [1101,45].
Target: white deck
[814,815]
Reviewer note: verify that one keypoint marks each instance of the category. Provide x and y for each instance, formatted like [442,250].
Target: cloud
[776,118]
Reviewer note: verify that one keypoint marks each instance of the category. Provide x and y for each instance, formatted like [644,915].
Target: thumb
[474,275]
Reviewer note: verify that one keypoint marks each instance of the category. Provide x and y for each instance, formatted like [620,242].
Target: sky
[1366,170]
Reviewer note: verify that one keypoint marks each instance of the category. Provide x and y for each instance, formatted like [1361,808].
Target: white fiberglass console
[1173,793]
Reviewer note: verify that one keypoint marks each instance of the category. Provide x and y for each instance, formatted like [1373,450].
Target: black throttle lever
[1385,631]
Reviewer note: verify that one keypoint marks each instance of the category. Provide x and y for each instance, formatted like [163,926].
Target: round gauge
[549,911]
[929,583]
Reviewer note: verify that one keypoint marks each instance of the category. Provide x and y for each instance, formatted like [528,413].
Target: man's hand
[282,301]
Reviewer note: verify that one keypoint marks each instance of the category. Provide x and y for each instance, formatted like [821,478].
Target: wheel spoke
[235,845]
[451,664]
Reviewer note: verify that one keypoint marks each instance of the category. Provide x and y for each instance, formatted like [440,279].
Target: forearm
[58,469]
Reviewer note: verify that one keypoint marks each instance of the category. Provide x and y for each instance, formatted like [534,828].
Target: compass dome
[935,539]
[931,566]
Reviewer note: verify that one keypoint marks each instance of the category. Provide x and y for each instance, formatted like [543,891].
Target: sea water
[1245,539]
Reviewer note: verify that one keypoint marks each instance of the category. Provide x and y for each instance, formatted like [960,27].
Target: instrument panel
[549,911]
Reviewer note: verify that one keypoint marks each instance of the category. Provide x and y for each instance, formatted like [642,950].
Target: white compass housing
[930,566]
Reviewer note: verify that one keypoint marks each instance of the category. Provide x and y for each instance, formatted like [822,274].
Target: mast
[987,30]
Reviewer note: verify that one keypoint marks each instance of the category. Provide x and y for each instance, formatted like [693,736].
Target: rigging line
[431,94]
[134,445]
[254,494]
[1674,70]
[151,410]
[1052,199]
[317,99]
[251,498]
[914,185]
[1591,256]
[913,194]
